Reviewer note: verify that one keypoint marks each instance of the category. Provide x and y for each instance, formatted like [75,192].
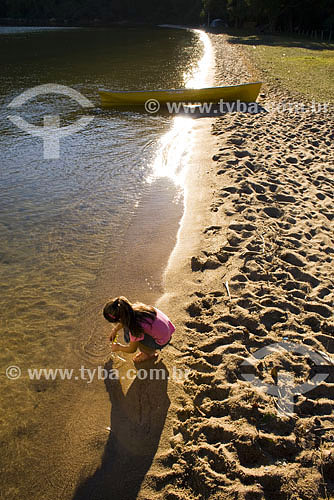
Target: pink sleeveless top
[160,329]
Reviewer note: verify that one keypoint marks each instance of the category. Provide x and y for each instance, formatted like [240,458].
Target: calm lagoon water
[97,222]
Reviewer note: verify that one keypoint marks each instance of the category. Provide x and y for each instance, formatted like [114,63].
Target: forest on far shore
[289,15]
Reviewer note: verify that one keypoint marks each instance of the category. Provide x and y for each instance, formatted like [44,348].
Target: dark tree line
[108,11]
[274,14]
[283,14]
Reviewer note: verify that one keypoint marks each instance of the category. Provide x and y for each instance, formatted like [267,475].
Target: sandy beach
[253,266]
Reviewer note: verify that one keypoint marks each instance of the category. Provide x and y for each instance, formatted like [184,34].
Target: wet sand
[253,266]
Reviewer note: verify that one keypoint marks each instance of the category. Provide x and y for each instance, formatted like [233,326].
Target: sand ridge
[259,270]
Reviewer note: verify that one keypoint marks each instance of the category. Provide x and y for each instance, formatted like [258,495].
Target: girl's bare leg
[146,350]
[145,353]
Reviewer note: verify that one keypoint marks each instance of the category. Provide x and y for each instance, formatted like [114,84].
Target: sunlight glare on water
[175,146]
[199,78]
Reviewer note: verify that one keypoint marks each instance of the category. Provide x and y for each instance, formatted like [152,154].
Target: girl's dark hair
[120,310]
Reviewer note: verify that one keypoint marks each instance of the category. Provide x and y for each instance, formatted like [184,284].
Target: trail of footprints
[275,249]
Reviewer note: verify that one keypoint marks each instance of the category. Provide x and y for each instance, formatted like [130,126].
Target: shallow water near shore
[99,221]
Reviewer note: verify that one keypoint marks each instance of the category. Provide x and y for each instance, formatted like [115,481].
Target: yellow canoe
[246,92]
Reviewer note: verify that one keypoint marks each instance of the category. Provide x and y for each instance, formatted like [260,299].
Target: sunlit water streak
[175,146]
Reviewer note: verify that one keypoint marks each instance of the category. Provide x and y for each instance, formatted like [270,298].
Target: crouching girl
[145,327]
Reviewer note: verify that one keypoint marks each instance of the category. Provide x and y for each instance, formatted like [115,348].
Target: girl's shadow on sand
[137,420]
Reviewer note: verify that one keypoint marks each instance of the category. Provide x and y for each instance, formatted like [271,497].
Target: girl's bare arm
[115,330]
